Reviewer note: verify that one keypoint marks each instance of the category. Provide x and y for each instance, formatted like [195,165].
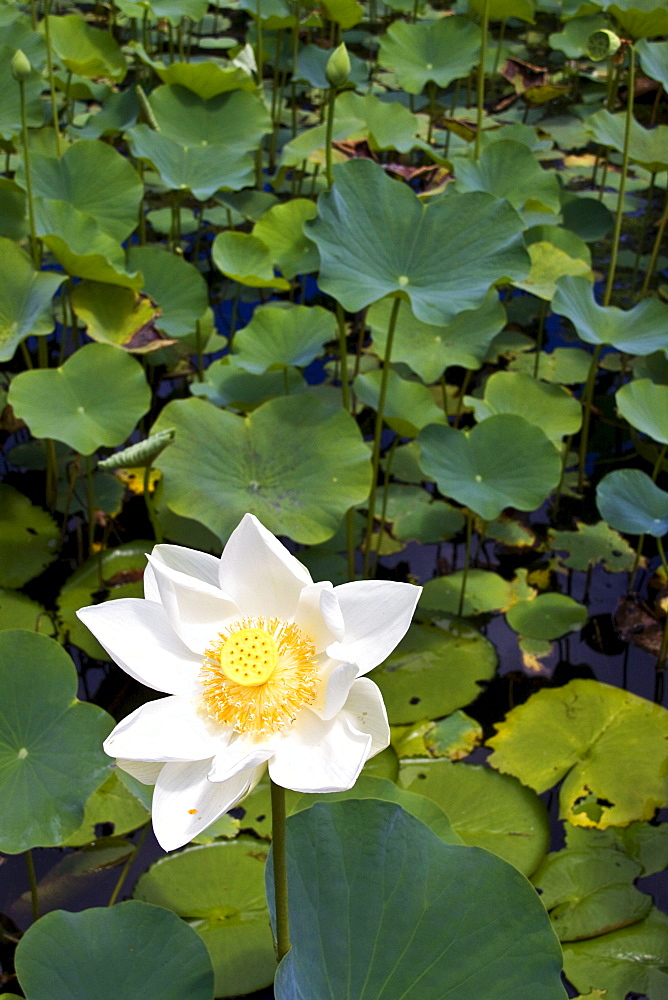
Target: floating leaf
[507,169]
[25,298]
[649,147]
[176,285]
[485,592]
[409,405]
[548,264]
[428,349]
[112,803]
[549,407]
[564,365]
[503,462]
[94,399]
[28,538]
[246,259]
[336,850]
[593,543]
[486,809]
[640,330]
[237,120]
[114,952]
[654,60]
[633,959]
[281,230]
[19,611]
[434,671]
[630,501]
[283,337]
[118,316]
[387,125]
[441,51]
[548,616]
[206,79]
[51,757]
[376,238]
[590,892]
[645,843]
[645,406]
[219,889]
[586,733]
[294,462]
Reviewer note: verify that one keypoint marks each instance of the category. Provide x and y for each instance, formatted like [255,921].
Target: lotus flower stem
[32,878]
[643,231]
[52,85]
[328,135]
[586,418]
[622,184]
[343,357]
[467,560]
[378,431]
[383,509]
[655,249]
[128,864]
[480,92]
[34,242]
[280,870]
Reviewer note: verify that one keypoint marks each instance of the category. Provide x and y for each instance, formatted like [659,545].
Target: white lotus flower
[263,666]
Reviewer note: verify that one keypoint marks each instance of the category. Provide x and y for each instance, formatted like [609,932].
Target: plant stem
[586,419]
[150,506]
[378,432]
[480,93]
[539,338]
[52,85]
[659,676]
[622,182]
[655,249]
[328,136]
[280,870]
[32,878]
[343,357]
[467,559]
[34,244]
[126,867]
[383,508]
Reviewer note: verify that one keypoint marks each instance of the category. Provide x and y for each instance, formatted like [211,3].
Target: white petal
[317,756]
[145,771]
[318,615]
[196,609]
[169,729]
[377,614]
[199,565]
[365,710]
[139,638]
[185,802]
[336,681]
[151,592]
[238,756]
[259,573]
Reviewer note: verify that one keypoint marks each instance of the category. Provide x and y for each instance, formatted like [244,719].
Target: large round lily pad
[94,399]
[442,920]
[219,889]
[131,950]
[500,815]
[609,746]
[51,757]
[25,298]
[548,616]
[295,462]
[550,407]
[376,238]
[630,501]
[440,51]
[85,50]
[283,337]
[645,405]
[28,538]
[503,462]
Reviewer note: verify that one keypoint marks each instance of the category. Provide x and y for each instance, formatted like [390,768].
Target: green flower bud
[602,44]
[337,69]
[21,68]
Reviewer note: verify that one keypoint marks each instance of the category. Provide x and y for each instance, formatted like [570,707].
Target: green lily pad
[501,10]
[645,406]
[376,238]
[10,101]
[175,285]
[588,893]
[294,462]
[281,230]
[428,350]
[19,611]
[645,843]
[94,399]
[638,18]
[112,803]
[632,959]
[346,13]
[485,592]
[591,544]
[201,169]
[409,405]
[503,462]
[13,211]
[640,330]
[226,385]
[336,850]
[434,671]
[28,538]
[283,337]
[247,259]
[453,737]
[564,365]
[204,78]
[486,809]
[386,125]
[92,178]
[219,889]
[95,953]
[548,616]
[25,298]
[648,147]
[549,407]
[117,316]
[548,264]
[631,502]
[428,522]
[108,575]
[85,50]
[236,120]
[50,743]
[507,169]
[118,112]
[441,51]
[654,60]
[608,745]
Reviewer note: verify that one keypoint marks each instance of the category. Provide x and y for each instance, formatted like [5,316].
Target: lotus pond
[390,278]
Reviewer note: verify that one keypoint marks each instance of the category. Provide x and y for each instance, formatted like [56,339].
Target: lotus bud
[602,44]
[21,68]
[337,69]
